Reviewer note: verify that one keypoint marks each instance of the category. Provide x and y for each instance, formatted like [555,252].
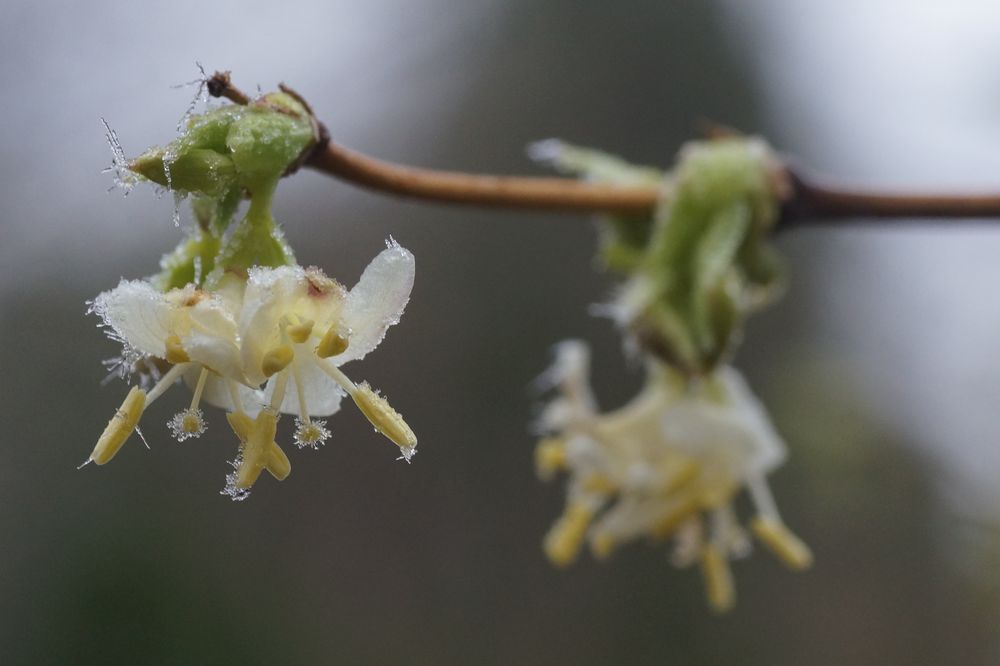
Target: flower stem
[804,200]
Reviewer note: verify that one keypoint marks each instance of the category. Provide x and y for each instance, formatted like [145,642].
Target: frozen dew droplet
[178,200]
[232,489]
[142,437]
[186,424]
[311,433]
[199,96]
[123,176]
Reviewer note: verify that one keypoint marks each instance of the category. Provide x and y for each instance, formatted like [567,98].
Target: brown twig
[805,200]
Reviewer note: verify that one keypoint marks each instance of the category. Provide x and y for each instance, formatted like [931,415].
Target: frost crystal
[124,178]
[187,424]
[311,433]
[232,488]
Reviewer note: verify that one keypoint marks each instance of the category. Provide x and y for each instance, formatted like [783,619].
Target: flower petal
[377,301]
[269,294]
[323,395]
[138,315]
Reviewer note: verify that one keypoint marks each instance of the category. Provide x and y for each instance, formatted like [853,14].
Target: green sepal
[215,214]
[196,170]
[190,262]
[269,136]
[256,241]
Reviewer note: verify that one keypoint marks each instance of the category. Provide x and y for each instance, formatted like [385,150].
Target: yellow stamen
[599,484]
[668,523]
[277,359]
[120,426]
[199,388]
[718,580]
[550,457]
[259,449]
[332,343]
[300,332]
[385,419]
[562,543]
[602,544]
[687,473]
[175,352]
[791,550]
[300,392]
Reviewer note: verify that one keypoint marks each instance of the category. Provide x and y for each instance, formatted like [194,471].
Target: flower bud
[187,169]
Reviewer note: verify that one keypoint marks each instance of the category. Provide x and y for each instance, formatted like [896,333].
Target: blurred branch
[805,199]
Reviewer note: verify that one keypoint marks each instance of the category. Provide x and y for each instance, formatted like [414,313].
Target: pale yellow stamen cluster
[667,466]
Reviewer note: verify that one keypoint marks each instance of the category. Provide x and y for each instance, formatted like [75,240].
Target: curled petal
[377,301]
[137,314]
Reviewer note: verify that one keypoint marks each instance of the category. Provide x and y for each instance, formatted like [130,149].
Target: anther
[791,550]
[175,352]
[564,539]
[277,359]
[718,579]
[385,419]
[300,332]
[332,343]
[120,426]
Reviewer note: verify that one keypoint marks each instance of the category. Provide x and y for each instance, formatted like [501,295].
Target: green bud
[701,262]
[222,156]
[192,170]
[708,256]
[267,138]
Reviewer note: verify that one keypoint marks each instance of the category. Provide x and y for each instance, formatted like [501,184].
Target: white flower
[194,332]
[298,327]
[270,344]
[677,452]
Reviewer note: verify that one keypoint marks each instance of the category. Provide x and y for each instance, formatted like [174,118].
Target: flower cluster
[666,466]
[258,347]
[232,314]
[670,463]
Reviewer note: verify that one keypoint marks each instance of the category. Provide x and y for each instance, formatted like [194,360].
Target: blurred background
[880,366]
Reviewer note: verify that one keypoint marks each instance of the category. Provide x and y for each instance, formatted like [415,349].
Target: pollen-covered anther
[791,550]
[385,419]
[301,331]
[120,426]
[550,457]
[258,450]
[276,359]
[187,424]
[718,579]
[312,433]
[333,342]
[562,543]
[175,352]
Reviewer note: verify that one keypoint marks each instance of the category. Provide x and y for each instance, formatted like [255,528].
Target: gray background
[879,365]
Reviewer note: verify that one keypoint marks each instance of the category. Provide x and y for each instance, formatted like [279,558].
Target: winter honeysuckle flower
[232,314]
[190,331]
[268,344]
[297,328]
[666,466]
